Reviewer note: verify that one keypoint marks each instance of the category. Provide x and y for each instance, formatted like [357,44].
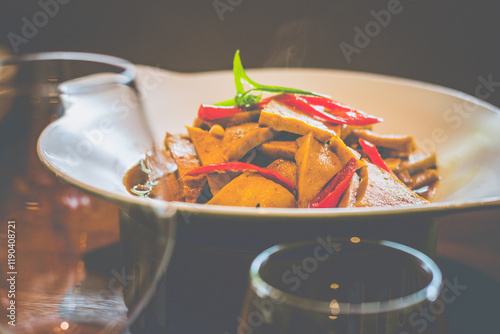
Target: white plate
[85,150]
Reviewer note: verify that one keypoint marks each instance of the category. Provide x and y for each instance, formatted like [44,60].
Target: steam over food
[291,149]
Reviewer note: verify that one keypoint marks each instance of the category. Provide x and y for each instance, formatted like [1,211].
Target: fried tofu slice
[418,162]
[429,192]
[349,198]
[159,163]
[344,152]
[168,188]
[379,188]
[236,119]
[253,190]
[393,163]
[347,129]
[286,168]
[240,139]
[210,150]
[217,181]
[401,143]
[207,146]
[317,164]
[162,172]
[418,170]
[279,149]
[281,117]
[184,154]
[422,179]
[249,157]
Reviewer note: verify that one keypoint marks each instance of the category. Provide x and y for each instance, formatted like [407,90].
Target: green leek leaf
[244,98]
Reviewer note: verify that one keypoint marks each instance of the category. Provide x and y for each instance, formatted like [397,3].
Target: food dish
[290,149]
[227,238]
[461,128]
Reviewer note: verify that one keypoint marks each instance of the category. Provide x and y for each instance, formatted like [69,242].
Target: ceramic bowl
[462,129]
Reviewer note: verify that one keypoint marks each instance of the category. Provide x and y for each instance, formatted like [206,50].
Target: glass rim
[129,69]
[429,293]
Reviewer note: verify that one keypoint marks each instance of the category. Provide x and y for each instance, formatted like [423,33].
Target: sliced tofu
[253,190]
[347,129]
[393,163]
[207,146]
[163,170]
[424,178]
[159,164]
[184,154]
[344,152]
[218,181]
[391,153]
[402,143]
[280,117]
[429,191]
[240,139]
[379,188]
[349,198]
[249,157]
[405,177]
[317,164]
[167,188]
[236,119]
[210,151]
[286,168]
[160,177]
[279,149]
[418,162]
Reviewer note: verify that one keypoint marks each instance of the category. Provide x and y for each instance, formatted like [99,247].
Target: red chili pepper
[330,196]
[242,166]
[371,151]
[296,101]
[350,115]
[209,112]
[262,103]
[335,112]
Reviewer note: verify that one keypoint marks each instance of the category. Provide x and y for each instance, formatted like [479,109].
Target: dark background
[450,42]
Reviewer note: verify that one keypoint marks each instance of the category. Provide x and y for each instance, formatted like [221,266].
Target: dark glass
[347,286]
[77,263]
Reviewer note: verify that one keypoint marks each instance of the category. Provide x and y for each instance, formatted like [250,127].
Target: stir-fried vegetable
[371,151]
[243,167]
[295,148]
[330,196]
[333,111]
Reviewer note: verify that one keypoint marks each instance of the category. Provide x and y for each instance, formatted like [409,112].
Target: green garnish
[144,168]
[243,97]
[146,187]
[141,193]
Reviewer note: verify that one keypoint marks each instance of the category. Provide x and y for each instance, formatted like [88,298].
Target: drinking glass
[342,286]
[71,259]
